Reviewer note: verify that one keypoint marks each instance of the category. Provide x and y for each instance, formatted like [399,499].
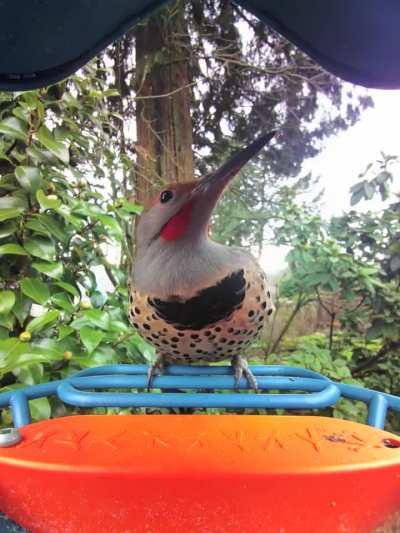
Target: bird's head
[182,211]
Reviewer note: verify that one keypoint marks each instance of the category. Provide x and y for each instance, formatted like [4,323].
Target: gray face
[163,208]
[174,255]
[176,258]
[203,195]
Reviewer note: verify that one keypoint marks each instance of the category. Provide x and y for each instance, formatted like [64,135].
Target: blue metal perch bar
[316,391]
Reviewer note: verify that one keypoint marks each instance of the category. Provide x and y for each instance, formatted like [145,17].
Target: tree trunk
[163,121]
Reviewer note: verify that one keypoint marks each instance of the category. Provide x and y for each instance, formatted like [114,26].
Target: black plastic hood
[43,41]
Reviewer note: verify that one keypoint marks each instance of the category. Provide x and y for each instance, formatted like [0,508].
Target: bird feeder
[191,472]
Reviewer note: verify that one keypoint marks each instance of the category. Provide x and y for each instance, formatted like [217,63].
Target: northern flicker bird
[196,300]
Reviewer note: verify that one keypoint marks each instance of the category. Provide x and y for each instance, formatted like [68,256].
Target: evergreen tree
[210,76]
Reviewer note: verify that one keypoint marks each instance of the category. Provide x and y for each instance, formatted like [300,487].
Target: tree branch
[165,95]
[365,365]
[299,304]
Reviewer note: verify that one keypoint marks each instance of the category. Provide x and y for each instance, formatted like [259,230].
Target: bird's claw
[241,368]
[156,368]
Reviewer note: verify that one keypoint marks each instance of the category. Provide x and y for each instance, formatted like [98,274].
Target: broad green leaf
[21,113]
[86,209]
[333,285]
[64,331]
[14,128]
[369,190]
[42,248]
[48,225]
[30,100]
[40,408]
[356,196]
[7,229]
[323,278]
[50,347]
[39,155]
[8,348]
[15,201]
[35,289]
[27,355]
[49,201]
[61,133]
[71,101]
[65,212]
[7,321]
[98,299]
[102,356]
[53,270]
[145,348]
[384,176]
[91,338]
[21,307]
[7,301]
[114,229]
[35,225]
[30,375]
[343,372]
[15,354]
[11,212]
[58,148]
[69,288]
[92,318]
[28,177]
[63,300]
[357,186]
[43,321]
[118,326]
[12,249]
[131,207]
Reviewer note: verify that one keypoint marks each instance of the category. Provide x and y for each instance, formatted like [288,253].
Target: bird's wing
[208,307]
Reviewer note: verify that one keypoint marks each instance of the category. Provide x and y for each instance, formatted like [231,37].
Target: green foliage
[312,352]
[57,222]
[337,363]
[354,257]
[348,268]
[380,182]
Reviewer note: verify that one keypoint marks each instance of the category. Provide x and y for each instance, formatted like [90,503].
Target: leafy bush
[312,352]
[348,265]
[56,225]
[338,363]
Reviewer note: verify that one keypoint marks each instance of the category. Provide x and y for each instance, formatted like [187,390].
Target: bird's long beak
[213,184]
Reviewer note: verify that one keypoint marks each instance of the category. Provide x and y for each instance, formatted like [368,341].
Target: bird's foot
[241,368]
[156,368]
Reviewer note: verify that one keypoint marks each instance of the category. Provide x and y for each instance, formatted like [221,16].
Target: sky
[344,157]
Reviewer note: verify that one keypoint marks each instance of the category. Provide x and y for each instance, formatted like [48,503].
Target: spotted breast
[214,325]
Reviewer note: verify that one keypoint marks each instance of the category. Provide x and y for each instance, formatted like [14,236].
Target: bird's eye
[165,196]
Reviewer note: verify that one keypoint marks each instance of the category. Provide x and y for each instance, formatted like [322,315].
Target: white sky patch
[102,280]
[272,259]
[344,157]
